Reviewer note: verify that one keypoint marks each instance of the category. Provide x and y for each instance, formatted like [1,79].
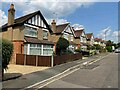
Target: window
[45,35]
[38,49]
[32,32]
[35,49]
[71,38]
[47,49]
[65,36]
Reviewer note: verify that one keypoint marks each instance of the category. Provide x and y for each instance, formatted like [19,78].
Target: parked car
[117,50]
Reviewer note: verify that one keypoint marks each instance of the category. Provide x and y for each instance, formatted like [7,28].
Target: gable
[68,30]
[34,19]
[37,21]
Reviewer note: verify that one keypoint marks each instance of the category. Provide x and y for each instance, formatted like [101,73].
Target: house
[63,30]
[80,34]
[90,38]
[100,42]
[28,33]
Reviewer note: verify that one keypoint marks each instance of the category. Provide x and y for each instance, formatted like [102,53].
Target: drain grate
[89,66]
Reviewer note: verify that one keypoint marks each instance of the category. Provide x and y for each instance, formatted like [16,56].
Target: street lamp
[106,30]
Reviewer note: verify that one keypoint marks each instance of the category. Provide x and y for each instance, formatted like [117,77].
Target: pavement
[35,77]
[15,71]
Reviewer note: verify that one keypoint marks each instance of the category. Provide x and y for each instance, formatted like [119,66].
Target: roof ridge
[27,14]
[63,24]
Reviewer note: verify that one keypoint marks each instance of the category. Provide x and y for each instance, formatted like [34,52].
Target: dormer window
[45,34]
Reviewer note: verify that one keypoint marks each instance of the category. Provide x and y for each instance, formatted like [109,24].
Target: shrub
[61,45]
[7,50]
[97,46]
[85,53]
[109,48]
[78,50]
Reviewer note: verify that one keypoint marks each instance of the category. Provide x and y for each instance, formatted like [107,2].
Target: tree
[7,50]
[109,43]
[97,46]
[109,48]
[61,45]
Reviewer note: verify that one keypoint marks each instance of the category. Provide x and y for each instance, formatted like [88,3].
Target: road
[101,74]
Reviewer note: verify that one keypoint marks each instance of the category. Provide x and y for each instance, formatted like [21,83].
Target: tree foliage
[97,46]
[7,50]
[61,45]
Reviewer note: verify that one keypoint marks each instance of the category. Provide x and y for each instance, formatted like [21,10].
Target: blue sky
[95,17]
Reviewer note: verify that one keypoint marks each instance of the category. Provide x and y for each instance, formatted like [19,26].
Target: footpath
[30,79]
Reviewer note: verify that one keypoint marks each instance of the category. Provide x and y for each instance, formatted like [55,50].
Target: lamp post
[106,32]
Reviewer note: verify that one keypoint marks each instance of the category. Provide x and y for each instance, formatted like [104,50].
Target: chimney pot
[12,6]
[53,24]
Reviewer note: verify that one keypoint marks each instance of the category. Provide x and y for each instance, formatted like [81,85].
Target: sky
[95,17]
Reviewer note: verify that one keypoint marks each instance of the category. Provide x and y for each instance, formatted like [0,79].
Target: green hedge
[7,50]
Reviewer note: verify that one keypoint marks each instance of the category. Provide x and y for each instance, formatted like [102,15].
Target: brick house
[29,34]
[100,42]
[80,35]
[63,30]
[90,38]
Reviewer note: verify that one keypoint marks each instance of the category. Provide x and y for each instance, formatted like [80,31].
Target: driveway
[24,69]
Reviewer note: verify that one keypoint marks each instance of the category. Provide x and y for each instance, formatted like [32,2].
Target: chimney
[53,24]
[11,15]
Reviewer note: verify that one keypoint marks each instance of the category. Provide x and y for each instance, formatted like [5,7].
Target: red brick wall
[18,49]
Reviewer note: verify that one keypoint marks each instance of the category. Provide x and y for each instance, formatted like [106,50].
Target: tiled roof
[78,32]
[61,27]
[98,39]
[89,35]
[37,41]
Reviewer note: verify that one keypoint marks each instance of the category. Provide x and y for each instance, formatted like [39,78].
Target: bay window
[38,49]
[47,49]
[35,49]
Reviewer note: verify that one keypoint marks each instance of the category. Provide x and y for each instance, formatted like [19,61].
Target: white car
[117,50]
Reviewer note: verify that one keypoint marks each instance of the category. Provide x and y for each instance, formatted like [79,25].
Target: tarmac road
[102,74]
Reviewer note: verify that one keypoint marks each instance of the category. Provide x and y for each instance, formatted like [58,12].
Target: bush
[7,50]
[85,53]
[109,48]
[78,50]
[97,46]
[61,45]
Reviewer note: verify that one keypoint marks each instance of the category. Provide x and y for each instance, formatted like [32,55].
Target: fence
[35,60]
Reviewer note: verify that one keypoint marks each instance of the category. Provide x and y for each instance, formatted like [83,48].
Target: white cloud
[78,26]
[59,21]
[51,10]
[102,33]
[61,0]
[116,34]
[48,8]
[3,18]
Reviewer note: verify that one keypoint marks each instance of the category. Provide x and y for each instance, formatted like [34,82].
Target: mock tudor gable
[35,19]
